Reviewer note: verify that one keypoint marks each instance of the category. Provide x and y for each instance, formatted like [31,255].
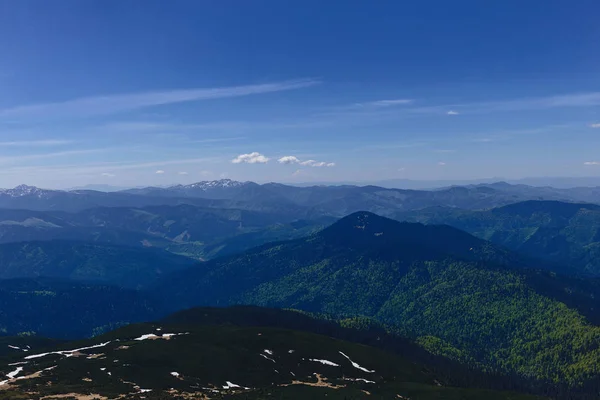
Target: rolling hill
[457,295]
[566,234]
[221,359]
[67,309]
[88,262]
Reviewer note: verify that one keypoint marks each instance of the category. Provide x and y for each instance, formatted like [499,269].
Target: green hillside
[566,234]
[90,262]
[221,361]
[457,295]
[67,309]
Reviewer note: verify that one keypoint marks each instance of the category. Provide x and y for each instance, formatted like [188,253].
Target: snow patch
[165,336]
[230,385]
[358,380]
[355,365]
[326,362]
[14,373]
[268,358]
[68,353]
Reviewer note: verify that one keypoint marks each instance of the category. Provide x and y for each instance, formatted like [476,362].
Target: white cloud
[591,163]
[401,169]
[313,163]
[596,125]
[441,163]
[298,172]
[160,171]
[451,112]
[107,174]
[251,158]
[205,173]
[109,104]
[307,163]
[182,173]
[289,160]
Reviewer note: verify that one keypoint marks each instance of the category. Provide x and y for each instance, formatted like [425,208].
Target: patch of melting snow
[326,362]
[102,369]
[290,351]
[165,336]
[358,380]
[145,390]
[269,352]
[230,385]
[68,353]
[268,358]
[147,336]
[355,365]
[19,363]
[175,374]
[14,373]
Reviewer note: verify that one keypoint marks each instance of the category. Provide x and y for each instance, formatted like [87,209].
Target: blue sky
[158,92]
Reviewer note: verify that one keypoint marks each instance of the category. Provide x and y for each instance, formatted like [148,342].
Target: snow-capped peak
[221,183]
[23,190]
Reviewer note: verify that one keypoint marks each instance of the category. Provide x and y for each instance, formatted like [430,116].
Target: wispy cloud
[35,143]
[250,158]
[218,140]
[385,103]
[519,104]
[591,163]
[182,173]
[160,172]
[27,157]
[98,105]
[441,163]
[107,174]
[103,167]
[597,125]
[444,151]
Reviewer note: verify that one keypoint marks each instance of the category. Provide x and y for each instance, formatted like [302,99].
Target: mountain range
[566,234]
[495,279]
[301,202]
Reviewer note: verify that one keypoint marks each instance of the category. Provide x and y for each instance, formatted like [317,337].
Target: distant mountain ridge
[567,234]
[313,200]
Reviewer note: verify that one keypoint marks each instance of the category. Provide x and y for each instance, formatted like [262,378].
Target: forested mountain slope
[89,262]
[567,234]
[221,359]
[457,295]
